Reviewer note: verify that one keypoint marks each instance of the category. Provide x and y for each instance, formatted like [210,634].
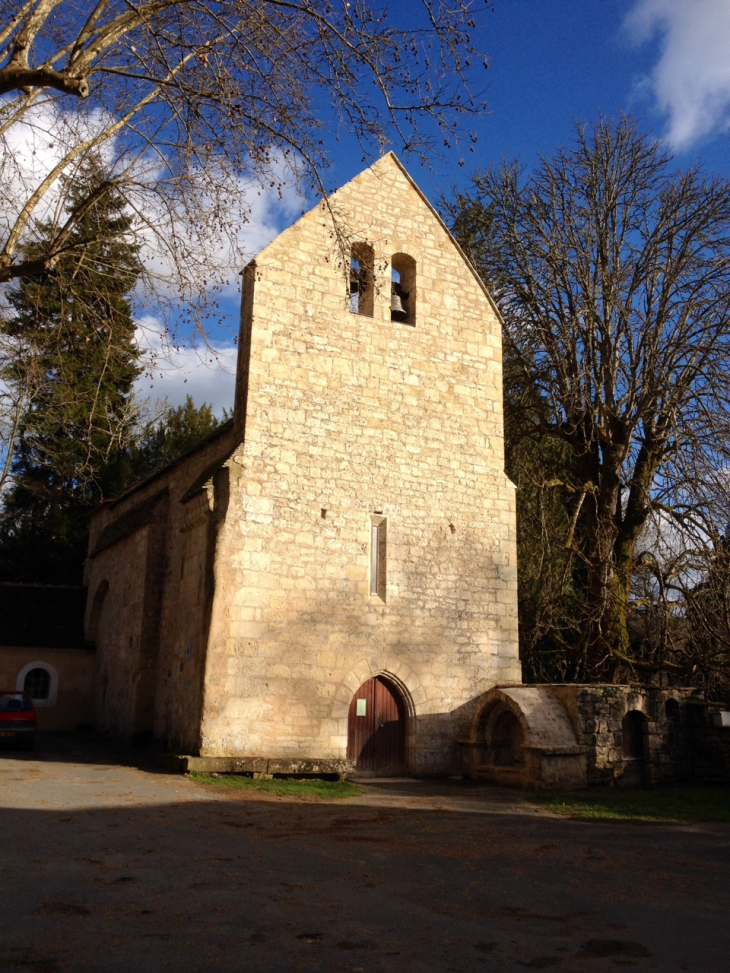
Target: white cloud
[213,248]
[191,248]
[33,146]
[197,234]
[691,80]
[207,374]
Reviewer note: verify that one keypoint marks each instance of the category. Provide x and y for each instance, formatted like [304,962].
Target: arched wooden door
[376,728]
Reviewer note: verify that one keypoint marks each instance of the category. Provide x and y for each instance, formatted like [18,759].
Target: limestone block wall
[149,575]
[597,712]
[351,418]
[118,632]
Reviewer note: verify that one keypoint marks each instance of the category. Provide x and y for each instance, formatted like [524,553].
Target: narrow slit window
[362,282]
[377,556]
[373,559]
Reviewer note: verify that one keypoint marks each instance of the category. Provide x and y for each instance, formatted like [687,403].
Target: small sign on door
[362,707]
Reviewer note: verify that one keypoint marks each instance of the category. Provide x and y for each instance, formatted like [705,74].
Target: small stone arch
[52,695]
[406,682]
[633,734]
[634,742]
[504,737]
[486,716]
[403,287]
[523,735]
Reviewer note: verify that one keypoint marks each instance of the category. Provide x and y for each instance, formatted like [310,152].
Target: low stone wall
[597,713]
[708,742]
[584,735]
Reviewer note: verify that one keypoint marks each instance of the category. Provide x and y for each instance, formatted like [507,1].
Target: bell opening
[403,289]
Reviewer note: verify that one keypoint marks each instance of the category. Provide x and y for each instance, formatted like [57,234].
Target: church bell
[397,311]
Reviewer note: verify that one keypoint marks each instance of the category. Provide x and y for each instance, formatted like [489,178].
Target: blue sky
[552,62]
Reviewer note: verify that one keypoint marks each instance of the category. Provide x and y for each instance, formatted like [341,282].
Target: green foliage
[177,431]
[75,353]
[311,787]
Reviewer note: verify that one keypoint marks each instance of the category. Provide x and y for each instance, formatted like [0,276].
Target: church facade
[330,580]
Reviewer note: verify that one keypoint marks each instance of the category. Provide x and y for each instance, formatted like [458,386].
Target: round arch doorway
[376,728]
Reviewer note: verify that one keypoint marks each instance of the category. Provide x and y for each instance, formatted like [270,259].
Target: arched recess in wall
[40,680]
[403,289]
[92,628]
[502,734]
[634,728]
[633,733]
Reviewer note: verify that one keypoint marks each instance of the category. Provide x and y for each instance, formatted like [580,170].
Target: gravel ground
[109,864]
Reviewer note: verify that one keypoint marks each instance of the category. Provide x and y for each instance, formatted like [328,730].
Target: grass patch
[677,804]
[327,790]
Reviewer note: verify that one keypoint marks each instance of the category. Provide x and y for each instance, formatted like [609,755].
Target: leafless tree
[15,399]
[613,276]
[196,105]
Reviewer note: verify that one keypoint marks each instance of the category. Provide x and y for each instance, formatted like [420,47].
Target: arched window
[403,289]
[362,279]
[40,681]
[37,683]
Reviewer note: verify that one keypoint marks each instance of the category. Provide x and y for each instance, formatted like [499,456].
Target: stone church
[330,579]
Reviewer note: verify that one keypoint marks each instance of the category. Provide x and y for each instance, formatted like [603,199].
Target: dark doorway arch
[376,728]
[633,732]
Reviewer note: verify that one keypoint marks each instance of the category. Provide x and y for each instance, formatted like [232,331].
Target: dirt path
[116,868]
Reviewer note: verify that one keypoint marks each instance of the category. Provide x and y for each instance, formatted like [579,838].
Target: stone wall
[707,740]
[149,575]
[577,735]
[350,417]
[597,712]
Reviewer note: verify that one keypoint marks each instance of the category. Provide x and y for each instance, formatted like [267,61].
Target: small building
[330,580]
[43,651]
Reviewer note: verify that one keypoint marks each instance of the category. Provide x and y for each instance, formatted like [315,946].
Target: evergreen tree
[78,358]
[178,430]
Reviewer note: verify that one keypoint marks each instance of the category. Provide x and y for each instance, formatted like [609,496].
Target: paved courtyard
[116,867]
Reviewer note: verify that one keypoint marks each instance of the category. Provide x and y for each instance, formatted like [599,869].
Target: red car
[17,720]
